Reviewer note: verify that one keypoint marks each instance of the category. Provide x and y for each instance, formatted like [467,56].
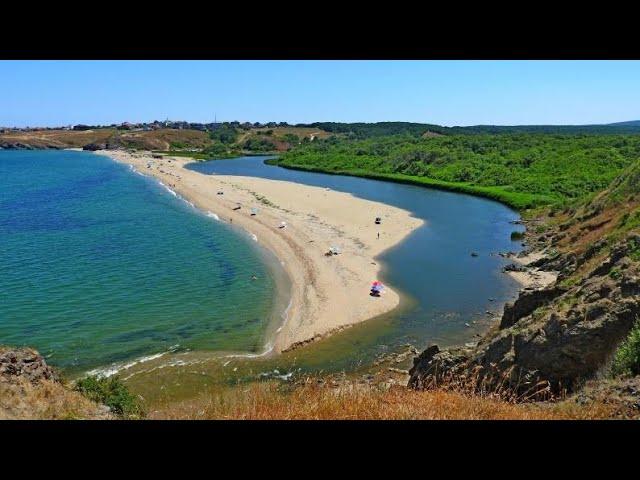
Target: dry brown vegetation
[311,401]
[165,139]
[45,400]
[58,138]
[301,132]
[162,139]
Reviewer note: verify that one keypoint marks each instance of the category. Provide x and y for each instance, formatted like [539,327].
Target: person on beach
[378,235]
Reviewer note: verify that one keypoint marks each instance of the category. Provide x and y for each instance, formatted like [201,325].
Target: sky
[56,93]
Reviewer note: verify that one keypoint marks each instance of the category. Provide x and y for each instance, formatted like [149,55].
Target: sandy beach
[328,293]
[533,277]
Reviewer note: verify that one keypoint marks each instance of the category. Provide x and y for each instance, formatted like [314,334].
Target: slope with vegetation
[379,129]
[522,170]
[30,389]
[579,334]
[225,141]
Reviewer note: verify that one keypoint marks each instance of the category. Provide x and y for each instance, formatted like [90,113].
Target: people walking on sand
[378,235]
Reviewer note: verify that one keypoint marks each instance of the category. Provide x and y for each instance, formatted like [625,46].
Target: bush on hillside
[627,357]
[113,393]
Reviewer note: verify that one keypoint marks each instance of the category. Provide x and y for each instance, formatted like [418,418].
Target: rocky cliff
[551,341]
[31,389]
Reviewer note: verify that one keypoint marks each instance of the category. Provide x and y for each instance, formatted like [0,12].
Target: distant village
[155,125]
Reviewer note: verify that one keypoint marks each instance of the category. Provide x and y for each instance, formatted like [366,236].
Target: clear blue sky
[50,93]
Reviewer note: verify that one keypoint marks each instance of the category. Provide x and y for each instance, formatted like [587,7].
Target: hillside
[630,123]
[379,129]
[30,389]
[522,170]
[580,334]
[225,142]
[163,139]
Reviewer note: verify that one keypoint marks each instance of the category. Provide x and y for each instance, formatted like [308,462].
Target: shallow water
[100,265]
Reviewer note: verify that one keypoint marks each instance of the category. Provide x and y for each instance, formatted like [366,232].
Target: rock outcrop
[31,389]
[92,147]
[25,363]
[526,303]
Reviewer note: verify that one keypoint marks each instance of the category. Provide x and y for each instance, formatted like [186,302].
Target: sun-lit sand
[328,292]
[533,277]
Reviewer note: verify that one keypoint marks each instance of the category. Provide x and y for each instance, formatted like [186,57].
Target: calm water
[101,265]
[446,286]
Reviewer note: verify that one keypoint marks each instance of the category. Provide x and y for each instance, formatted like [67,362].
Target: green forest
[523,170]
[379,129]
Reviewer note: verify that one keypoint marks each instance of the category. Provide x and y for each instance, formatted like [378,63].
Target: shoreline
[533,277]
[328,293]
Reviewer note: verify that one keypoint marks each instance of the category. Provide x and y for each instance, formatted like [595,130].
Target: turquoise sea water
[101,265]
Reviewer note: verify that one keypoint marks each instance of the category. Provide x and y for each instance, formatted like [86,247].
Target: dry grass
[46,400]
[164,139]
[301,132]
[58,138]
[270,401]
[150,140]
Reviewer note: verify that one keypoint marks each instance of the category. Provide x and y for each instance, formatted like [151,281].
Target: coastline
[532,277]
[328,293]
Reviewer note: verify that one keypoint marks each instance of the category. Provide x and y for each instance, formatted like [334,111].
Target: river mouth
[448,295]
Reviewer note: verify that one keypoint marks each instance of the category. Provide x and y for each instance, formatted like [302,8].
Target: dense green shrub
[627,357]
[259,145]
[225,134]
[112,392]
